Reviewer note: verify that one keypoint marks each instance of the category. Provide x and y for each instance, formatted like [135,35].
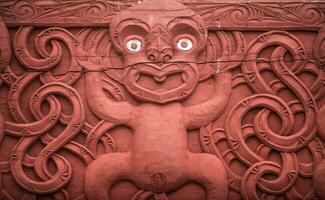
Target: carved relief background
[242,111]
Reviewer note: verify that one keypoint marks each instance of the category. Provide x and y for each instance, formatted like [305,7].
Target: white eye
[134,45]
[184,44]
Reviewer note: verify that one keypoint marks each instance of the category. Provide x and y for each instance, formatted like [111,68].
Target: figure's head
[160,43]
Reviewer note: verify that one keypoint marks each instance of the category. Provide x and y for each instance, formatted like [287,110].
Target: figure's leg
[102,173]
[208,170]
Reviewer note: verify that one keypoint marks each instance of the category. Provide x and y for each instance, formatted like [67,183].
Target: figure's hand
[203,113]
[114,110]
[320,118]
[2,124]
[318,180]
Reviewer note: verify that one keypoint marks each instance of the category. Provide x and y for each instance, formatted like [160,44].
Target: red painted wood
[162,100]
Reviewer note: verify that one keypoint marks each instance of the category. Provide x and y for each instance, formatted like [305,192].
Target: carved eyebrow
[179,19]
[134,21]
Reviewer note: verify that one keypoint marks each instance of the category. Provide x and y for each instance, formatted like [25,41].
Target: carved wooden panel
[177,100]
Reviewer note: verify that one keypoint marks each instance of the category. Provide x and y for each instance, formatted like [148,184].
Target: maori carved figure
[162,100]
[157,45]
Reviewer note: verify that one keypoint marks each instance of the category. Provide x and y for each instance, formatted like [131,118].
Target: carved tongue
[160,79]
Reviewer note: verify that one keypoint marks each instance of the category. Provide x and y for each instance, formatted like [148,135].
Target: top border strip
[234,15]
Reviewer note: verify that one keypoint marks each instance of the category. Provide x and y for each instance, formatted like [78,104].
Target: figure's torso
[160,141]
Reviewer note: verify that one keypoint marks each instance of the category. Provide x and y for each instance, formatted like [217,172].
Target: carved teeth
[137,77]
[161,90]
[184,77]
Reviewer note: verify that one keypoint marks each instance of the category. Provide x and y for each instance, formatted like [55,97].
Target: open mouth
[161,82]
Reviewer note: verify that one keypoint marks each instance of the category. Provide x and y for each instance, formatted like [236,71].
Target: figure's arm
[87,51]
[202,114]
[101,105]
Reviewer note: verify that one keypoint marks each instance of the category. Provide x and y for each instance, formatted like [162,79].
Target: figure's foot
[208,170]
[103,173]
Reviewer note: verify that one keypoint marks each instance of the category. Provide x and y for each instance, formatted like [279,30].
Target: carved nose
[160,55]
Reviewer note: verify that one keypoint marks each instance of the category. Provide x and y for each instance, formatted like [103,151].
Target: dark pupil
[134,45]
[184,44]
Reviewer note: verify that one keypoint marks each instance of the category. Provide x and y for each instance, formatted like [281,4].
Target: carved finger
[202,114]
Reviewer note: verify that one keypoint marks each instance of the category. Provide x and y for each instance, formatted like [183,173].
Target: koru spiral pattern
[162,100]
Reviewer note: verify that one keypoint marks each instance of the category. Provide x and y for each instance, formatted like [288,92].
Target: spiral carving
[268,100]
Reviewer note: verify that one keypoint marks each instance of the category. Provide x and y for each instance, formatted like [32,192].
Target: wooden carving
[162,100]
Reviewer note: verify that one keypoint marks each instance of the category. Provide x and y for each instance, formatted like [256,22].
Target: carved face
[160,49]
